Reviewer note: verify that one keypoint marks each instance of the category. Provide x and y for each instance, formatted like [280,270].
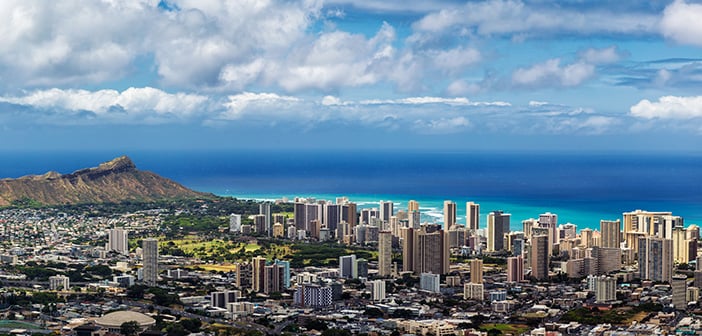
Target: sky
[364,74]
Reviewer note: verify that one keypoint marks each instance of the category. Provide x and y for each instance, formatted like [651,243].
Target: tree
[191,325]
[129,328]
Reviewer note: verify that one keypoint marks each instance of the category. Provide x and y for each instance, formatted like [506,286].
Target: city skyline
[519,75]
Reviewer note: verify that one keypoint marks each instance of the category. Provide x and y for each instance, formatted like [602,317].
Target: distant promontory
[117,180]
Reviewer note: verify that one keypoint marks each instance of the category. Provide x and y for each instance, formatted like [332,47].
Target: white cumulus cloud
[133,101]
[669,107]
[552,72]
[681,22]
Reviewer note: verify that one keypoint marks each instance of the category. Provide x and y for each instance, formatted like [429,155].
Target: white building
[377,288]
[59,282]
[118,241]
[430,282]
[234,223]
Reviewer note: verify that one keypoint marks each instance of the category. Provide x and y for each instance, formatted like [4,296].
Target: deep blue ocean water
[580,188]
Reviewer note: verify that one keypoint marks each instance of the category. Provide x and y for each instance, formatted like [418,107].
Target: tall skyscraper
[655,259]
[476,271]
[265,210]
[586,238]
[497,226]
[384,253]
[150,251]
[432,252]
[550,221]
[386,210]
[273,278]
[408,249]
[539,257]
[259,224]
[605,289]
[331,216]
[349,213]
[234,223]
[348,268]
[414,219]
[679,286]
[412,205]
[472,216]
[300,215]
[610,231]
[449,214]
[515,269]
[258,274]
[286,271]
[118,240]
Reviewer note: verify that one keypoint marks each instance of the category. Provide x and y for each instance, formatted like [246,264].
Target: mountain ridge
[116,180]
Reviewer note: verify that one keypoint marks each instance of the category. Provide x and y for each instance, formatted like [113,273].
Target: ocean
[580,188]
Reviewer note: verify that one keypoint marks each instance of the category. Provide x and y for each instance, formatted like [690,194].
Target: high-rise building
[605,289]
[59,283]
[349,213]
[244,275]
[386,210]
[457,236]
[258,274]
[605,260]
[528,225]
[610,231]
[414,219]
[367,214]
[497,226]
[347,267]
[278,230]
[430,282]
[646,223]
[449,214]
[150,250]
[655,259]
[118,240]
[473,291]
[515,269]
[384,253]
[567,231]
[234,223]
[539,257]
[332,216]
[305,213]
[412,205]
[265,210]
[313,296]
[273,278]
[550,221]
[408,249]
[681,246]
[259,224]
[432,252]
[586,238]
[476,271]
[222,298]
[286,271]
[377,289]
[472,216]
[679,286]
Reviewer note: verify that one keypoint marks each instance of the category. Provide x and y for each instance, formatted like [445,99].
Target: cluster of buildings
[423,277]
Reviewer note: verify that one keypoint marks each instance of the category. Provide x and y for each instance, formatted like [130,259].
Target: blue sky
[436,74]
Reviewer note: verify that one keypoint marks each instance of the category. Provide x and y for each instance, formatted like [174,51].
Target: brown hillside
[113,181]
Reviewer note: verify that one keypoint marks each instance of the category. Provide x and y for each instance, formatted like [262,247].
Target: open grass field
[506,329]
[223,251]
